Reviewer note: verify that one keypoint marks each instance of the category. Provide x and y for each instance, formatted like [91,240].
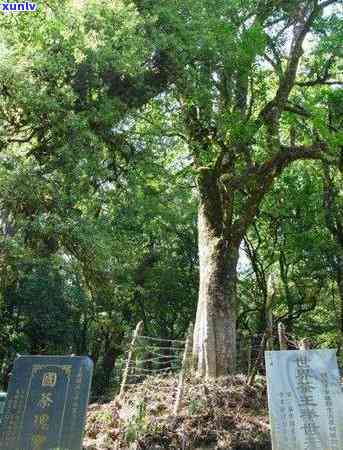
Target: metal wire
[160,340]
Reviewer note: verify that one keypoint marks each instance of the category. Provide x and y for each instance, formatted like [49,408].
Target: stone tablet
[46,403]
[305,400]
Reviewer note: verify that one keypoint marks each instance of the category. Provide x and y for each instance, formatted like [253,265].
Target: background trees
[118,121]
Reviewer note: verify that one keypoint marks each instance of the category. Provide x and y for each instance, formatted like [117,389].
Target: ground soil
[225,414]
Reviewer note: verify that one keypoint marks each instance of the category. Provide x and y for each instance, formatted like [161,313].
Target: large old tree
[243,105]
[232,83]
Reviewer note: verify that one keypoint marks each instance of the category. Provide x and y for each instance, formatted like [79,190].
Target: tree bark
[214,347]
[112,349]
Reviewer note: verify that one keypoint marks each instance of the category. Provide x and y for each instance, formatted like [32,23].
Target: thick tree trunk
[214,346]
[108,363]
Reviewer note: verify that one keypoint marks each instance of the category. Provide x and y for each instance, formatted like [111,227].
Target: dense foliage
[115,118]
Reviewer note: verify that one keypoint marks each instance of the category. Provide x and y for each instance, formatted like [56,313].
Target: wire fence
[153,356]
[150,356]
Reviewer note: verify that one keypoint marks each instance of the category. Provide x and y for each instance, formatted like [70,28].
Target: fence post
[186,360]
[271,290]
[304,344]
[136,334]
[263,344]
[282,336]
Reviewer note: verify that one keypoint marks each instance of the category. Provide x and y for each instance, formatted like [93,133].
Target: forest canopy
[170,162]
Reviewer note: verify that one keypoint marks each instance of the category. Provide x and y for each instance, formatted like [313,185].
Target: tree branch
[319,81]
[324,76]
[296,109]
[272,110]
[22,140]
[328,3]
[259,179]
